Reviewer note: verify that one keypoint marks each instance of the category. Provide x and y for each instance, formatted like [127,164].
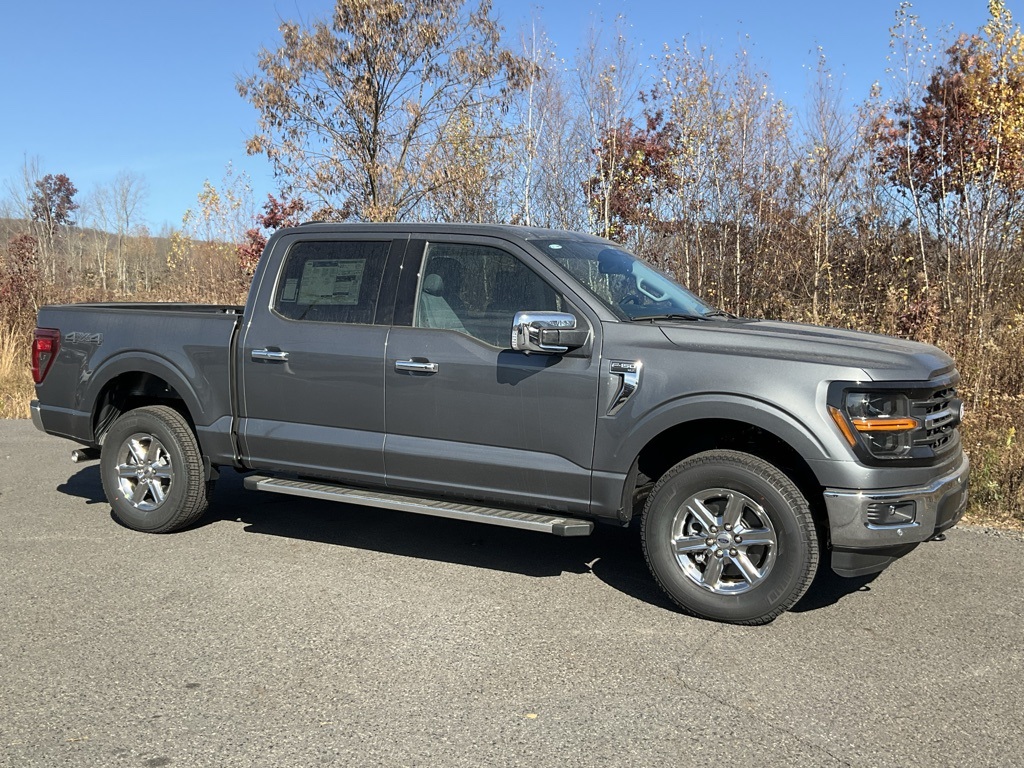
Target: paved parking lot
[282,632]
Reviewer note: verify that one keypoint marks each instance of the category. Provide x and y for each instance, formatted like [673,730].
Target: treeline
[59,245]
[902,213]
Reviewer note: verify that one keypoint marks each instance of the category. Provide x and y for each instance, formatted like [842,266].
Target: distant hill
[10,227]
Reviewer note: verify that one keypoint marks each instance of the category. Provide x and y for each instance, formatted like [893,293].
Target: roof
[493,230]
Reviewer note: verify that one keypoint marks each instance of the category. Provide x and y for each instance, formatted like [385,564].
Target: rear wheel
[730,537]
[152,471]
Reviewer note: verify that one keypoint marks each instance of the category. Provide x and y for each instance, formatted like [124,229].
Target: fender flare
[725,406]
[136,361]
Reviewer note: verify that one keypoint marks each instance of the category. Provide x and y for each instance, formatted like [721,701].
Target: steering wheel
[630,300]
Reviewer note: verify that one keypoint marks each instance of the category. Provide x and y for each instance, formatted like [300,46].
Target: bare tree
[127,193]
[727,156]
[204,252]
[608,79]
[825,161]
[98,218]
[553,148]
[114,210]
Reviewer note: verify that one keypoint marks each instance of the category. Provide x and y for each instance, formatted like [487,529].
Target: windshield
[631,289]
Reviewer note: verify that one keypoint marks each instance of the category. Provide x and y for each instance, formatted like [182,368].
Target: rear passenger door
[311,387]
[466,415]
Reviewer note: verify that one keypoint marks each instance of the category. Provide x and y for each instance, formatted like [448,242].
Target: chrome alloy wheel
[144,471]
[723,541]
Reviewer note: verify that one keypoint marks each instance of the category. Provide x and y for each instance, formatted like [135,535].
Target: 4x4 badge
[78,337]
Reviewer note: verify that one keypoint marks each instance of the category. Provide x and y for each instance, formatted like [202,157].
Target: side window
[331,281]
[477,289]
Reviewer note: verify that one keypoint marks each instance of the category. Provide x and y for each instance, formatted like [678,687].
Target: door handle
[272,355]
[415,366]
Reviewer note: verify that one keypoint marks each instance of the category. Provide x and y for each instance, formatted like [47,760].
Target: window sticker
[331,281]
[291,289]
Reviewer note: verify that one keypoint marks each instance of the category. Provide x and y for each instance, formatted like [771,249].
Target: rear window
[332,281]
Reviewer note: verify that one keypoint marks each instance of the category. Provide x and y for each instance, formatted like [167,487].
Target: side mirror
[546,333]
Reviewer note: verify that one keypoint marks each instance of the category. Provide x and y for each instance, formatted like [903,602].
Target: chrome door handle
[273,355]
[415,366]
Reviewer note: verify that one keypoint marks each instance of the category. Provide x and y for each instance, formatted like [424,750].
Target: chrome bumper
[939,506]
[37,416]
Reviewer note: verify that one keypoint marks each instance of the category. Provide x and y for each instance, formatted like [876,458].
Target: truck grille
[940,414]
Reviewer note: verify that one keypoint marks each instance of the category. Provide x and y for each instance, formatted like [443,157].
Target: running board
[530,521]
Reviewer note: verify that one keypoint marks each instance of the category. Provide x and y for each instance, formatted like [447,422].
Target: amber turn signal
[844,427]
[884,425]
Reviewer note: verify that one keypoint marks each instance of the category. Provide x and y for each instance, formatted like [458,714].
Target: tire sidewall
[140,422]
[793,557]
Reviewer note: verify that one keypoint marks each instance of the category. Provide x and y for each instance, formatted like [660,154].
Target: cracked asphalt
[284,632]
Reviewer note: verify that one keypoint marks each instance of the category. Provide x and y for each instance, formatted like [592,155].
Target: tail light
[45,346]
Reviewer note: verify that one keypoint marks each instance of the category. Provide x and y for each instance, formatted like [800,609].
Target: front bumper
[859,546]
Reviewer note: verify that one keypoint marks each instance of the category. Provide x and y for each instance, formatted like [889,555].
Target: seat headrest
[433,284]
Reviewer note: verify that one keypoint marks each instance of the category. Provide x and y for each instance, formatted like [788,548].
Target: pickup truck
[522,377]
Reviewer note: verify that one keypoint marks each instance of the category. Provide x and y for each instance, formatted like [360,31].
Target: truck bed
[183,350]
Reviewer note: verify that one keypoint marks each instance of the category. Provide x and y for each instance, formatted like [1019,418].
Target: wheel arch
[134,381]
[717,422]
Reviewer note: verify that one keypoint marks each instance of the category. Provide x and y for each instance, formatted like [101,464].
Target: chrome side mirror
[546,333]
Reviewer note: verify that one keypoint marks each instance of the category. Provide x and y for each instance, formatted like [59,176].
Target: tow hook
[938,537]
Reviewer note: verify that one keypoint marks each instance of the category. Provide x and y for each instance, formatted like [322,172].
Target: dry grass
[992,438]
[992,385]
[16,387]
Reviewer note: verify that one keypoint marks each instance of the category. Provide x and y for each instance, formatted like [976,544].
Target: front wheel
[152,471]
[729,537]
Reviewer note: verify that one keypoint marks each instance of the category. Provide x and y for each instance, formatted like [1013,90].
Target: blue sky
[94,88]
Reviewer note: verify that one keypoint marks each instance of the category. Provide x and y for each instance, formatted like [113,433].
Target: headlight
[878,421]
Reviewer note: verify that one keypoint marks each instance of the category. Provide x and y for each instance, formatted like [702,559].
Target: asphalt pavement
[286,632]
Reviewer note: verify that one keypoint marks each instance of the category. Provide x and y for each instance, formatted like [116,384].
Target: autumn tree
[20,280]
[958,154]
[52,207]
[277,213]
[53,201]
[353,111]
[203,252]
[726,140]
[632,171]
[468,182]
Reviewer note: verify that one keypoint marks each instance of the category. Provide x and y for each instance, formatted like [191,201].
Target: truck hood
[882,358]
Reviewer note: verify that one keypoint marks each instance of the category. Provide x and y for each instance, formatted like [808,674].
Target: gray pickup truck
[521,377]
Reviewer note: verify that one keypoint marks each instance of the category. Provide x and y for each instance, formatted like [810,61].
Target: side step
[530,521]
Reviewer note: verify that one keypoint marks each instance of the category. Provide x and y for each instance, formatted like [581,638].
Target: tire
[152,471]
[729,537]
